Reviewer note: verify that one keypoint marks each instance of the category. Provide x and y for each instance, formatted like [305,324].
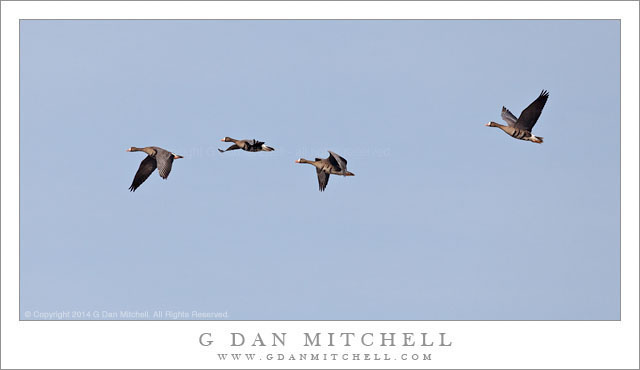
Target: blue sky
[446,219]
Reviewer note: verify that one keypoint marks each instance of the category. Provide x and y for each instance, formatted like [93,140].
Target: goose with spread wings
[247,145]
[520,128]
[333,165]
[156,158]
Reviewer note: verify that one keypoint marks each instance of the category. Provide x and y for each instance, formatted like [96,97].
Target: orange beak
[221,139]
[175,156]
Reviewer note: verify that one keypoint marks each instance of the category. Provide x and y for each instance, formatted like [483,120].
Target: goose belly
[518,134]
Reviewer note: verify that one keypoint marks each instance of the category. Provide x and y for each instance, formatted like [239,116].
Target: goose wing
[147,166]
[337,161]
[323,179]
[530,114]
[232,147]
[508,117]
[164,163]
[164,159]
[254,145]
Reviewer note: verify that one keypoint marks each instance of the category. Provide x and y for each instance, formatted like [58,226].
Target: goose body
[156,158]
[333,165]
[247,145]
[520,128]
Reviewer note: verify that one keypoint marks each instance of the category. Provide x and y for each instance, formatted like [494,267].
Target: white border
[478,344]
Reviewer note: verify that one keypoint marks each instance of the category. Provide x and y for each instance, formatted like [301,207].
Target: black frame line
[328,19]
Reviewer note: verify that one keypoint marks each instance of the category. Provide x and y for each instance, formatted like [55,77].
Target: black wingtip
[544,93]
[220,150]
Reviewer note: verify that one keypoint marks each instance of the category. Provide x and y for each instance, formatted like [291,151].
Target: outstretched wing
[508,117]
[254,145]
[323,179]
[337,161]
[164,165]
[232,147]
[530,114]
[147,166]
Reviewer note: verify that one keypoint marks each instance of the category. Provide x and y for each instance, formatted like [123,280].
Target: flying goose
[248,145]
[333,165]
[156,158]
[520,128]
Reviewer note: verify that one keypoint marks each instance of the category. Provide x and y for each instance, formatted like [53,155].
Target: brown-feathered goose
[521,127]
[156,158]
[333,165]
[248,145]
